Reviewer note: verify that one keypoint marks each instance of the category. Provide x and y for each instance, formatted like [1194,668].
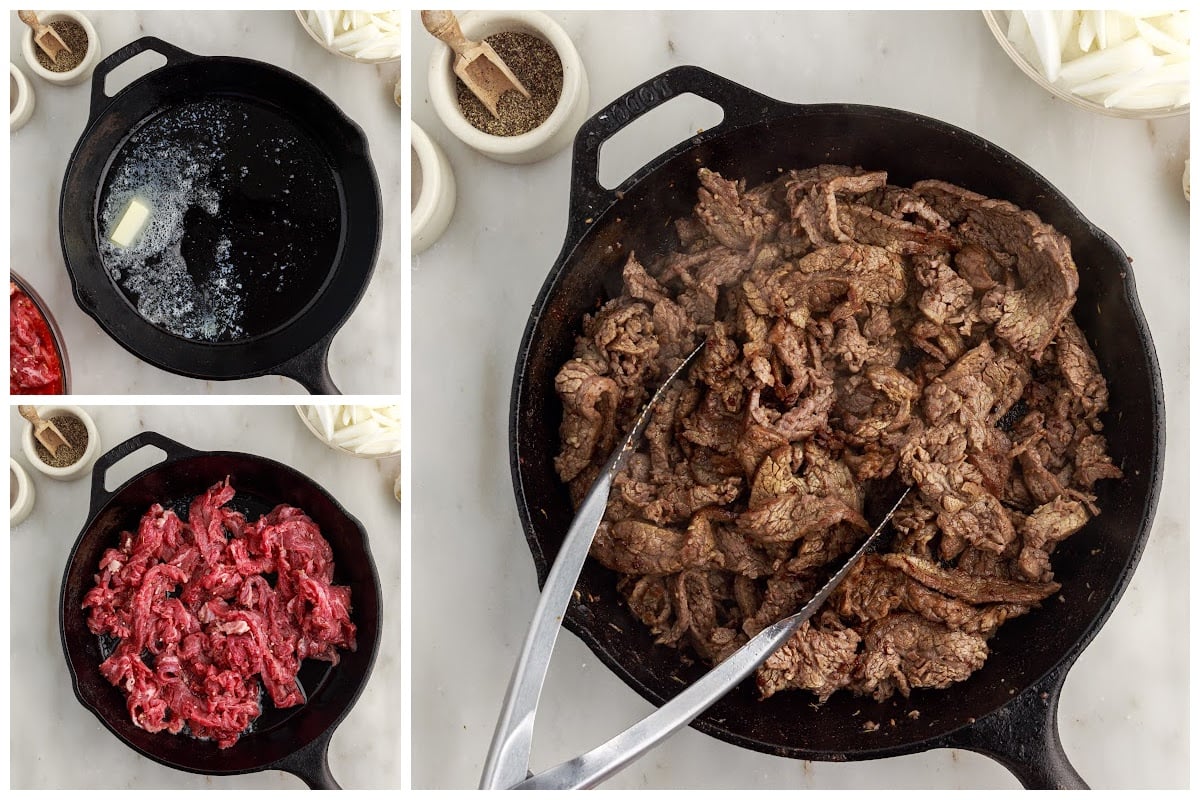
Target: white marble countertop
[56,742]
[1123,716]
[365,357]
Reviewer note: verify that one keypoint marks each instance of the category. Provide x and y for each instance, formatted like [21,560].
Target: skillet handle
[311,763]
[1023,736]
[742,106]
[100,99]
[310,368]
[104,463]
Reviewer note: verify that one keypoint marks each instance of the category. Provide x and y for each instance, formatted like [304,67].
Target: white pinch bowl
[81,467]
[435,201]
[546,139]
[71,77]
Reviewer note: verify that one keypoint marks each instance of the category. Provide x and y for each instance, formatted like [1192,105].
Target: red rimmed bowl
[50,329]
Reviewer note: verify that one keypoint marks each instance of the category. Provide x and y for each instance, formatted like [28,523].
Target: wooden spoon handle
[30,19]
[29,413]
[444,26]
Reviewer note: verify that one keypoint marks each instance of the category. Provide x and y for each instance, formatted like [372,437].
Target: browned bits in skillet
[75,37]
[856,330]
[537,65]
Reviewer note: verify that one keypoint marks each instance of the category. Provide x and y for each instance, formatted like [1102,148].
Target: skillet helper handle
[1023,736]
[311,763]
[100,98]
[173,449]
[741,106]
[310,368]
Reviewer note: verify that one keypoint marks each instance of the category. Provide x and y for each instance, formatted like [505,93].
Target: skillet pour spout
[1007,710]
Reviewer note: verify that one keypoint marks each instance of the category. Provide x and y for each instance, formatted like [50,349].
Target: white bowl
[434,206]
[316,432]
[546,139]
[21,493]
[23,101]
[84,70]
[316,37]
[997,22]
[80,467]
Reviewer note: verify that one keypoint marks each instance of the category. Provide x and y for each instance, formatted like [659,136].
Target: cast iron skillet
[296,739]
[298,346]
[1007,710]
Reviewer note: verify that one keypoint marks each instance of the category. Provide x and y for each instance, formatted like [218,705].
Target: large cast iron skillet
[298,347]
[294,739]
[1008,709]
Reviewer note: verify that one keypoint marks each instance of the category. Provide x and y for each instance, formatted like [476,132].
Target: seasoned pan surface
[294,739]
[1007,708]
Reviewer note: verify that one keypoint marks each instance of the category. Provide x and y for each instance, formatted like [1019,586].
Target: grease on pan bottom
[244,220]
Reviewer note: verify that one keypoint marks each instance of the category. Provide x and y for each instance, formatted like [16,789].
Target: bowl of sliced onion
[1133,64]
[369,37]
[358,430]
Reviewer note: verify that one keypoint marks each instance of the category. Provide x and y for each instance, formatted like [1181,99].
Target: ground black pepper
[75,37]
[76,434]
[537,65]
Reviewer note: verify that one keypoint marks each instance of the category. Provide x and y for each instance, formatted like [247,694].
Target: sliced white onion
[365,430]
[382,50]
[1100,21]
[1087,31]
[1043,30]
[1111,83]
[1159,39]
[327,27]
[1142,97]
[360,34]
[1124,59]
[355,36]
[1066,23]
[1176,25]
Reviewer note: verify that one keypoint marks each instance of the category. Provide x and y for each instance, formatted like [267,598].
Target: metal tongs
[507,765]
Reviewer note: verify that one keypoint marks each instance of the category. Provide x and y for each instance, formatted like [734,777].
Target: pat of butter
[133,220]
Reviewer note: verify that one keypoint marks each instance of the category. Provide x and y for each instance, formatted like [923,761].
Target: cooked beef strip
[855,329]
[905,651]
[819,659]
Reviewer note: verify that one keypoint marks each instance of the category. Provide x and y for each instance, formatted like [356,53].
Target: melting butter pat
[133,220]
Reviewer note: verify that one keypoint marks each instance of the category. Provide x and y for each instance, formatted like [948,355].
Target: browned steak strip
[973,589]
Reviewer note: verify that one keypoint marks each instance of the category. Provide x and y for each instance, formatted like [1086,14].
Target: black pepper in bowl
[76,434]
[75,37]
[537,65]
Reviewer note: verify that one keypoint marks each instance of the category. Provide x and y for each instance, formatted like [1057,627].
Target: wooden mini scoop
[44,430]
[44,36]
[477,64]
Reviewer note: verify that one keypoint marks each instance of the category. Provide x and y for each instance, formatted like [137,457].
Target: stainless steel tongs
[507,765]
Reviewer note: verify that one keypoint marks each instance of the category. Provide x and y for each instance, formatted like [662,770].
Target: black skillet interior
[316,212]
[293,739]
[757,138]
